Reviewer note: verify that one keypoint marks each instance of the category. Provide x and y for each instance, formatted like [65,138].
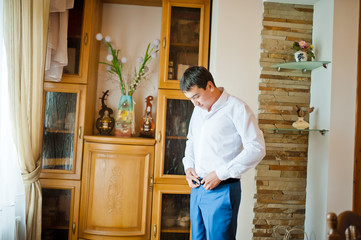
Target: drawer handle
[74,225]
[155,230]
[151,182]
[86,39]
[159,136]
[164,42]
[79,133]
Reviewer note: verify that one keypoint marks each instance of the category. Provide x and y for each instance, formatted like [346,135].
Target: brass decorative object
[147,124]
[105,123]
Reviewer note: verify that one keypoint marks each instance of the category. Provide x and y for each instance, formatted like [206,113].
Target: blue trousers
[214,212]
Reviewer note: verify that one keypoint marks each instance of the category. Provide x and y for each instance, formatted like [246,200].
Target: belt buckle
[200,180]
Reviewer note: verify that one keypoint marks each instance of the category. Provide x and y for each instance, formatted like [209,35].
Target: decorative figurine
[105,123]
[147,124]
[301,123]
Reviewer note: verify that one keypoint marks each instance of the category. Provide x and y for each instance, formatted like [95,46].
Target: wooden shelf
[176,137]
[74,36]
[184,45]
[120,140]
[176,230]
[56,227]
[58,131]
[50,163]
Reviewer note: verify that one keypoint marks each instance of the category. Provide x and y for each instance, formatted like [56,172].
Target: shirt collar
[221,101]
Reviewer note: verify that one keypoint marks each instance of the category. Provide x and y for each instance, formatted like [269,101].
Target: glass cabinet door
[62,133]
[75,29]
[59,209]
[174,112]
[83,24]
[185,39]
[171,218]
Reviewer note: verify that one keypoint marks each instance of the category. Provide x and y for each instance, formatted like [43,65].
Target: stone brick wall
[281,176]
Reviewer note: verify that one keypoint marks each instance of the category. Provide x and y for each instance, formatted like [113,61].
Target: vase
[300,123]
[300,56]
[125,117]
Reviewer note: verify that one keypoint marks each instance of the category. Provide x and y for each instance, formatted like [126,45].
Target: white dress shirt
[226,139]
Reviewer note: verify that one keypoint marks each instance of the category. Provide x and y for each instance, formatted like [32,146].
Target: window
[12,194]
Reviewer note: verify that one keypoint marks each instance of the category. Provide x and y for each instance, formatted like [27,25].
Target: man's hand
[210,181]
[191,176]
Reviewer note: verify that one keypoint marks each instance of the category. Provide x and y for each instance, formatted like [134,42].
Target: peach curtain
[26,25]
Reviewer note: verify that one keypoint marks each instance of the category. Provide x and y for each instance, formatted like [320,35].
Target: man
[224,141]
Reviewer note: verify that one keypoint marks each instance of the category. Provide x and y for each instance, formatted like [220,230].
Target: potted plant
[303,51]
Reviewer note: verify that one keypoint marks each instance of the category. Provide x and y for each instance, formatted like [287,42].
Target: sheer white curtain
[12,193]
[26,23]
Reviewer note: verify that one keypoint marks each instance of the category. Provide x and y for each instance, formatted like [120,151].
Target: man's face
[200,97]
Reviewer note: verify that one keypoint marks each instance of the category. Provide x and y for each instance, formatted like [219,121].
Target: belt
[230,180]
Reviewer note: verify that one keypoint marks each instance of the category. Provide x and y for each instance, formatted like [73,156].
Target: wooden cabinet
[170,218]
[72,100]
[68,115]
[185,36]
[170,212]
[116,188]
[173,115]
[60,209]
[117,175]
[185,39]
[185,43]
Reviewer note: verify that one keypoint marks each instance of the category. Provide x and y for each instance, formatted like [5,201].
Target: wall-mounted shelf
[304,66]
[277,130]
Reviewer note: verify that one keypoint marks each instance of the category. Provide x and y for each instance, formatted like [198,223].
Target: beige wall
[316,198]
[331,159]
[131,28]
[234,62]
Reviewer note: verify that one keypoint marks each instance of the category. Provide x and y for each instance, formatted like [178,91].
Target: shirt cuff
[222,173]
[187,165]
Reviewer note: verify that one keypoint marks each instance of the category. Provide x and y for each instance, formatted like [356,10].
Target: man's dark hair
[195,76]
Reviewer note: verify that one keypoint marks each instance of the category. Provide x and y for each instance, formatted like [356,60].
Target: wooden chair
[345,226]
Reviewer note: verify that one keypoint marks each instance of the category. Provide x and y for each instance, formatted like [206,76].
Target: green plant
[303,46]
[115,64]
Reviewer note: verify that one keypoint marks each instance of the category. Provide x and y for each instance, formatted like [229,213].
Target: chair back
[345,226]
